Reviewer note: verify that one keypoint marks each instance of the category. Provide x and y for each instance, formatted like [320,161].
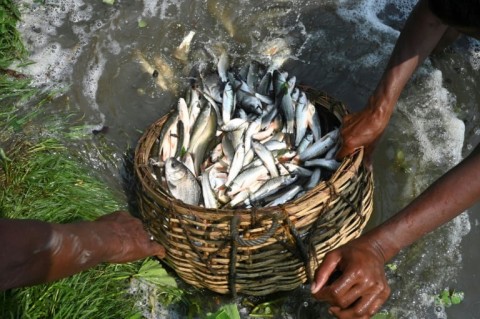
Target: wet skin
[362,287]
[38,252]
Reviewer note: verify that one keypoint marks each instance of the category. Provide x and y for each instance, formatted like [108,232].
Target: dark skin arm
[422,33]
[362,288]
[35,252]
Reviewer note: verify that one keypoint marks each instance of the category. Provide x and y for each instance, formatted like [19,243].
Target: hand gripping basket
[257,251]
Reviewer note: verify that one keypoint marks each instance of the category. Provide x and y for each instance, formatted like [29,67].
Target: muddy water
[94,53]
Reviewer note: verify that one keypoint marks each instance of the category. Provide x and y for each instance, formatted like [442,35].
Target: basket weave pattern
[262,250]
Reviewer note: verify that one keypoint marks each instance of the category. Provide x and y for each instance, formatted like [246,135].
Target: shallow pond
[91,52]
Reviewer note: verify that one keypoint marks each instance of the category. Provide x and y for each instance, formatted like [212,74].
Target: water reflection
[105,56]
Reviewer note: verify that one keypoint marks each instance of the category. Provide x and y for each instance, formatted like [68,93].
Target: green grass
[41,179]
[11,45]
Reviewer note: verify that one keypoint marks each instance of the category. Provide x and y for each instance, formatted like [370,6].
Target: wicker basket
[257,251]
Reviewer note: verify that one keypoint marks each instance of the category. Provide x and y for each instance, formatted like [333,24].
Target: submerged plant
[449,297]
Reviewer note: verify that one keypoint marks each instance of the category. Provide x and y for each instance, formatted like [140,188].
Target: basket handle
[253,242]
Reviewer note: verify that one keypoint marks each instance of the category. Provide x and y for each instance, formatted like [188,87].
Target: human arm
[362,287]
[34,252]
[421,34]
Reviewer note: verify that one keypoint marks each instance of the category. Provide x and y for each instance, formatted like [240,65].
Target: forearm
[449,196]
[422,32]
[36,252]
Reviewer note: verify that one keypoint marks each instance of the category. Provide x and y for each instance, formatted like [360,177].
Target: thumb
[156,249]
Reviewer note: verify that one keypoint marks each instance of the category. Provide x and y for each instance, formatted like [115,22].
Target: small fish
[288,112]
[165,137]
[233,124]
[287,195]
[228,103]
[222,66]
[306,141]
[209,198]
[264,85]
[266,157]
[181,182]
[297,170]
[181,52]
[329,164]
[252,129]
[248,176]
[237,163]
[321,146]
[314,122]
[314,179]
[301,118]
[272,186]
[184,118]
[204,130]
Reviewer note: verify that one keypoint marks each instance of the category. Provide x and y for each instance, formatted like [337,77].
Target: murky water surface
[97,54]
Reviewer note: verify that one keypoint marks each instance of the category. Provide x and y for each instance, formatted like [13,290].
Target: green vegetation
[40,179]
[11,46]
[449,297]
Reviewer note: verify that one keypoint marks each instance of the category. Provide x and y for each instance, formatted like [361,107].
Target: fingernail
[313,287]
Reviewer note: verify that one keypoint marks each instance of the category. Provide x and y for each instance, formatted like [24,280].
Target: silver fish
[288,113]
[169,137]
[279,82]
[297,170]
[181,52]
[181,182]
[321,146]
[247,177]
[184,118]
[264,85]
[237,163]
[314,179]
[233,124]
[252,129]
[228,149]
[209,199]
[228,103]
[222,66]
[301,118]
[306,141]
[329,164]
[287,195]
[267,158]
[244,194]
[314,122]
[203,131]
[272,186]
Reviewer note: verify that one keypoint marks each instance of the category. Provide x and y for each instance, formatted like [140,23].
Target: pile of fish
[243,138]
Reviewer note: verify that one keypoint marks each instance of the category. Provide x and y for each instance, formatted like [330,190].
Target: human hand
[126,238]
[362,129]
[361,288]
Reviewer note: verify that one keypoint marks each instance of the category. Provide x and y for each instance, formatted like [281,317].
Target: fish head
[174,169]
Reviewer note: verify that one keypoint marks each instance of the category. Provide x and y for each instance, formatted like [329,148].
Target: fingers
[364,307]
[324,272]
[157,250]
[351,298]
[128,239]
[335,294]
